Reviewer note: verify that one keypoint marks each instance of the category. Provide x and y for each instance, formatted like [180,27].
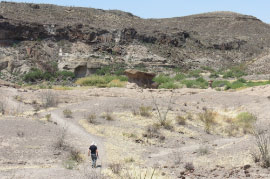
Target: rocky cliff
[85,39]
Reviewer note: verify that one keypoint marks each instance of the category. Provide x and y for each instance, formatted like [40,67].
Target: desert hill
[85,39]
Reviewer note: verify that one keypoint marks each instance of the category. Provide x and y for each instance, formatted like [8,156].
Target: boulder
[142,79]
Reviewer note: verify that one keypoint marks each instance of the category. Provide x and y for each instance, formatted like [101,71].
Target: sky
[171,8]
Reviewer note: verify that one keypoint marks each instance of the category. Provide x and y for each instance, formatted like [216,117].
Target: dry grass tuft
[152,131]
[208,118]
[91,118]
[49,99]
[67,113]
[189,166]
[181,120]
[145,111]
[108,116]
[116,168]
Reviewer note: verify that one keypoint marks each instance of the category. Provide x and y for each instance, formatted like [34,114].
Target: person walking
[94,153]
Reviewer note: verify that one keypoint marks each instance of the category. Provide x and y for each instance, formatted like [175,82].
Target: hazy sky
[171,8]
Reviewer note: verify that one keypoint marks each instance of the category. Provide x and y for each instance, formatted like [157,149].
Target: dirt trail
[83,137]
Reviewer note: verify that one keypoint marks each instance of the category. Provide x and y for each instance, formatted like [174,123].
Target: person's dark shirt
[93,149]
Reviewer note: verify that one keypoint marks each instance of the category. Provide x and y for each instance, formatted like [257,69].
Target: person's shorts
[93,156]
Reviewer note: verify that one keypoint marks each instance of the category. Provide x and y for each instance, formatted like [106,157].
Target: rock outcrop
[142,79]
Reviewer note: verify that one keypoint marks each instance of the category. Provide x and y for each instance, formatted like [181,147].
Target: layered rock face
[83,40]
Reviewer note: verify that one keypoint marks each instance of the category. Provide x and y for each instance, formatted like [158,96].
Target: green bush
[179,77]
[235,85]
[162,79]
[214,75]
[36,74]
[65,74]
[218,84]
[168,85]
[104,71]
[198,83]
[101,81]
[242,80]
[33,75]
[195,73]
[235,72]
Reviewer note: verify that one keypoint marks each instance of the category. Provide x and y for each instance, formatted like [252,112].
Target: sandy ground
[28,139]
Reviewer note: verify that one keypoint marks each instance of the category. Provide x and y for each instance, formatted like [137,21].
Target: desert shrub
[20,134]
[262,139]
[152,131]
[36,74]
[214,75]
[235,85]
[162,114]
[220,83]
[235,72]
[195,73]
[129,160]
[49,99]
[101,81]
[167,125]
[91,118]
[208,118]
[116,83]
[108,116]
[33,75]
[168,85]
[2,107]
[92,81]
[48,117]
[129,135]
[75,155]
[180,120]
[242,80]
[104,70]
[67,113]
[179,77]
[189,166]
[203,150]
[60,143]
[145,111]
[70,164]
[65,74]
[162,79]
[198,83]
[257,83]
[116,168]
[246,121]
